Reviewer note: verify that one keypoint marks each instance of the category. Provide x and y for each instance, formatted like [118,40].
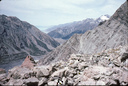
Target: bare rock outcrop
[28,62]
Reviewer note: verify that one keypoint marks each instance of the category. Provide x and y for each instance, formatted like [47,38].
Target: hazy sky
[53,12]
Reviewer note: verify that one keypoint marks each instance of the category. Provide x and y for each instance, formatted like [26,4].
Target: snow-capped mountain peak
[103,18]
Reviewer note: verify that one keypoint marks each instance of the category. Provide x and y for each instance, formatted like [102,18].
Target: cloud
[52,12]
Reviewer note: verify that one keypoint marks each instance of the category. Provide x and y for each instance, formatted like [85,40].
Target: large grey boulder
[31,81]
[42,82]
[41,71]
[16,82]
[52,83]
[124,57]
[20,73]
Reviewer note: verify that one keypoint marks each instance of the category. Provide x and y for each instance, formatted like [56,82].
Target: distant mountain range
[65,31]
[109,34]
[19,39]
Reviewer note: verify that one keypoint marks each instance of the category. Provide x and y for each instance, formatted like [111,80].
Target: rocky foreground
[109,67]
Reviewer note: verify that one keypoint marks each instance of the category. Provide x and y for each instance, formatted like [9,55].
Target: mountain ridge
[65,31]
[110,34]
[19,39]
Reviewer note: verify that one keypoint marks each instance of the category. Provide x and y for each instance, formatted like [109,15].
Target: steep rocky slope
[110,34]
[65,31]
[109,67]
[19,39]
[61,41]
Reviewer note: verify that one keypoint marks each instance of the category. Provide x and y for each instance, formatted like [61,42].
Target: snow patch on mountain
[104,18]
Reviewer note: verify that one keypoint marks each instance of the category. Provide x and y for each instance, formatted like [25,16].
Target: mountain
[107,67]
[65,31]
[110,34]
[61,41]
[19,39]
[102,18]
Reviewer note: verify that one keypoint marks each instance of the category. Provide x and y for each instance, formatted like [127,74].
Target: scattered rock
[97,77]
[100,83]
[77,71]
[111,82]
[59,73]
[88,82]
[64,80]
[18,82]
[31,81]
[43,81]
[20,73]
[124,57]
[41,72]
[70,82]
[45,72]
[52,83]
[82,65]
[2,71]
[3,79]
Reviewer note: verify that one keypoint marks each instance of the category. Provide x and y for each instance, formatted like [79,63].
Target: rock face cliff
[109,34]
[65,31]
[19,39]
